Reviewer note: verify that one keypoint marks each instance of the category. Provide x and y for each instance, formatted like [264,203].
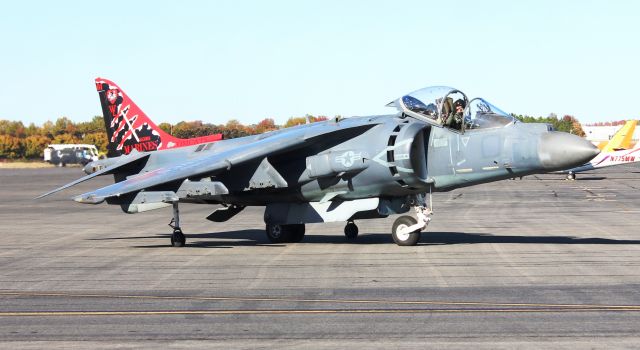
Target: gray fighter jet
[336,170]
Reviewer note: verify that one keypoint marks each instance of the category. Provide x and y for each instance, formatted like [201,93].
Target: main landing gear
[351,231]
[177,238]
[277,233]
[571,176]
[406,230]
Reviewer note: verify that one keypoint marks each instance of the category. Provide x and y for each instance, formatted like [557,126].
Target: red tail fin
[129,128]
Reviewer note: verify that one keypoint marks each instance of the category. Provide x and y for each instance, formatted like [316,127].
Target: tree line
[567,123]
[18,141]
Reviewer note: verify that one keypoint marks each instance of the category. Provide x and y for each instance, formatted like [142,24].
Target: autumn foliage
[18,141]
[568,123]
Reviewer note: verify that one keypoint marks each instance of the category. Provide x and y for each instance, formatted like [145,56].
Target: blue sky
[249,60]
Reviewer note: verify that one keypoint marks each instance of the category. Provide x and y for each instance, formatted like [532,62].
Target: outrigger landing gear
[351,231]
[406,230]
[177,238]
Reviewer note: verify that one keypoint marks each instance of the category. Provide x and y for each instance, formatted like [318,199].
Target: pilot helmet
[459,102]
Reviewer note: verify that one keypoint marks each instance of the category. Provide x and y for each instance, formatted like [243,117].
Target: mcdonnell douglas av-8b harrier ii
[336,170]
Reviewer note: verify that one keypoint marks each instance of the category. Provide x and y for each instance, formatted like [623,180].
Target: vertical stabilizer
[622,138]
[129,128]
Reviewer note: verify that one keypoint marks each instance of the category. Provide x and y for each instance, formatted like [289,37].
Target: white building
[597,134]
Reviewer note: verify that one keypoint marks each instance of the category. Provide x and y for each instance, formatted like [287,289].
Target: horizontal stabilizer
[122,161]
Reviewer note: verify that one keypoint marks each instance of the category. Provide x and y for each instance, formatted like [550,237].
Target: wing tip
[89,198]
[47,194]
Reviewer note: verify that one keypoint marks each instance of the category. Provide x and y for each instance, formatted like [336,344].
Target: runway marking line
[301,312]
[336,301]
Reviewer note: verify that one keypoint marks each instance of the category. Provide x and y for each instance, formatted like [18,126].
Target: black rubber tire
[571,176]
[178,239]
[277,233]
[405,240]
[296,233]
[351,231]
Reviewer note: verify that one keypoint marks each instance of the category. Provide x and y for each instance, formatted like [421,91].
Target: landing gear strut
[351,231]
[177,238]
[406,230]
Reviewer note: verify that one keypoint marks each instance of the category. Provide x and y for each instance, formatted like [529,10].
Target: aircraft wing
[121,162]
[215,163]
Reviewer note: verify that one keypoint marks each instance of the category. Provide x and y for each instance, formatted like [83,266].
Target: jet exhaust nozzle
[560,150]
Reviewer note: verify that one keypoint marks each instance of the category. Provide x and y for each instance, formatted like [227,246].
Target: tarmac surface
[531,263]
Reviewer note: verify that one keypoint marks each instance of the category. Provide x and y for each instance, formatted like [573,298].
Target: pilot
[454,120]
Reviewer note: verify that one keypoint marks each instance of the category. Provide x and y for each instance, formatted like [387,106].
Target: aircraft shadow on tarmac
[240,238]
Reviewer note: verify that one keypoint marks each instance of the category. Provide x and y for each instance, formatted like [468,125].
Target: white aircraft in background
[607,159]
[614,152]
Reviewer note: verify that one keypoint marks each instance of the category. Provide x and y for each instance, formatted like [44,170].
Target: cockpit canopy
[450,107]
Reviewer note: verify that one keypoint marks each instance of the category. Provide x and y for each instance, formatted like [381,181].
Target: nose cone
[561,151]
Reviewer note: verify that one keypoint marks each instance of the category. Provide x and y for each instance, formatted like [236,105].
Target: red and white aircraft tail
[129,128]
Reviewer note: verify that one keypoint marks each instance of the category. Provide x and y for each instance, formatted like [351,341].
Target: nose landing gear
[402,233]
[406,230]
